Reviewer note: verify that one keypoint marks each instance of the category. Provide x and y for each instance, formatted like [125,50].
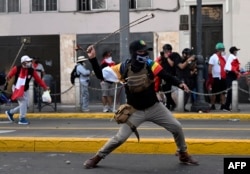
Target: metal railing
[179,92]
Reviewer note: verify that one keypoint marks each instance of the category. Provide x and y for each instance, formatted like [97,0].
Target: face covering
[28,65]
[223,53]
[109,60]
[142,59]
[138,61]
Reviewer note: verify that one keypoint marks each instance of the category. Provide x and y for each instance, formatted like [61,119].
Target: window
[85,5]
[44,5]
[135,4]
[98,4]
[9,6]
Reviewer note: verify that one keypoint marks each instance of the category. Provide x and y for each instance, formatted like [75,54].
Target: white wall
[68,20]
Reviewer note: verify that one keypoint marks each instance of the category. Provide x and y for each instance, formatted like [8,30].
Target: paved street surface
[71,163]
[88,135]
[97,107]
[23,147]
[105,128]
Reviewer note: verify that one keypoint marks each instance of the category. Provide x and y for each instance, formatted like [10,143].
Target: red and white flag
[20,84]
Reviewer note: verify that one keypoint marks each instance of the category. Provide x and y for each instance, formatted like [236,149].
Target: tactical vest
[139,81]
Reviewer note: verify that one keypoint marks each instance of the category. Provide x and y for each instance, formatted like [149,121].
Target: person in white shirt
[107,86]
[217,74]
[232,69]
[38,67]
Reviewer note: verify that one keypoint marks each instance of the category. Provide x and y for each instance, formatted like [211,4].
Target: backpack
[73,75]
[2,78]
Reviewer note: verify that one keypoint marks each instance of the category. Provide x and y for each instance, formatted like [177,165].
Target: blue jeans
[84,102]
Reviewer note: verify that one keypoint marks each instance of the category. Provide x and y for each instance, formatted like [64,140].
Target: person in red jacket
[23,74]
[232,69]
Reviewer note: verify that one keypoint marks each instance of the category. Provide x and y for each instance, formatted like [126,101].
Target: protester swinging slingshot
[131,24]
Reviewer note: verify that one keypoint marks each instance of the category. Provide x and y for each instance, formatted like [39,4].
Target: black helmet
[187,51]
[167,47]
[138,45]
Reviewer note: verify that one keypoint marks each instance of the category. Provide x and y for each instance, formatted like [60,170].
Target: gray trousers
[157,114]
[22,105]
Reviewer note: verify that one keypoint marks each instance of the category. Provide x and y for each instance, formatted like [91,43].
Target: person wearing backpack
[22,74]
[143,104]
[84,75]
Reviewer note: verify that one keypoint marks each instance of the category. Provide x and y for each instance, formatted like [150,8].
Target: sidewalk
[70,111]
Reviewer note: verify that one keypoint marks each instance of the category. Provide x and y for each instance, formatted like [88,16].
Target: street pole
[199,104]
[124,38]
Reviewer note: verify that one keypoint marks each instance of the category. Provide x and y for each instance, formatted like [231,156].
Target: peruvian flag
[19,88]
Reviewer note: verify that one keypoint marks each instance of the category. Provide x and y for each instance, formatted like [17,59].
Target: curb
[241,116]
[131,146]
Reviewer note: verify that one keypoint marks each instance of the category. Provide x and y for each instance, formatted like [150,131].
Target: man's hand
[190,59]
[184,87]
[91,52]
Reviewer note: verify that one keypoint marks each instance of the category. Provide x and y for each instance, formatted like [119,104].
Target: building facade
[53,28]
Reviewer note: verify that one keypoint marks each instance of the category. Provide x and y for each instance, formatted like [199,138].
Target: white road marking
[5,122]
[6,131]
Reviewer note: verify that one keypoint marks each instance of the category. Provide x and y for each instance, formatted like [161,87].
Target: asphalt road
[105,128]
[71,163]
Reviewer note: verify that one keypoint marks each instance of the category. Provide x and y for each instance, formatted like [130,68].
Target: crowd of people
[221,70]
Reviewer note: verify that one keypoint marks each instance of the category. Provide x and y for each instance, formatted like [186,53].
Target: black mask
[138,61]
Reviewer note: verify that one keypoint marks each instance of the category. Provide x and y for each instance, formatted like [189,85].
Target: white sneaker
[105,109]
[85,110]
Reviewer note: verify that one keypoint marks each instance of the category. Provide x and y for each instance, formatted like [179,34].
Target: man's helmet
[187,51]
[219,46]
[167,47]
[138,45]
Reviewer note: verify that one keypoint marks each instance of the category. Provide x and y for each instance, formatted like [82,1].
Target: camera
[192,64]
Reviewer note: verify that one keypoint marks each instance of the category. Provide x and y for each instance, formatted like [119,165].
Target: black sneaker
[226,109]
[222,107]
[172,108]
[212,107]
[10,116]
